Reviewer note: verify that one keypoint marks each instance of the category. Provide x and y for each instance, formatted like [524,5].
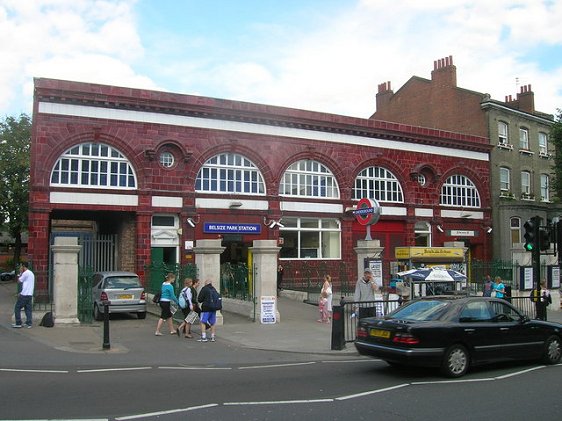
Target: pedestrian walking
[186,304]
[280,270]
[487,289]
[365,289]
[166,299]
[542,298]
[498,288]
[25,298]
[325,301]
[211,302]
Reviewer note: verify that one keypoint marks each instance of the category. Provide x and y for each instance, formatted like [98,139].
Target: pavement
[297,332]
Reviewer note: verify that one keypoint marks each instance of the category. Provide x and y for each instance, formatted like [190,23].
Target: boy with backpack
[211,302]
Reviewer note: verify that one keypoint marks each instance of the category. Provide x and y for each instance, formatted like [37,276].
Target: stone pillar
[367,249]
[265,279]
[208,261]
[65,271]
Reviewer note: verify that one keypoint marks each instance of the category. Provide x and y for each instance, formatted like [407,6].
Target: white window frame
[524,138]
[515,229]
[459,191]
[378,183]
[543,144]
[309,178]
[326,228]
[526,183]
[93,165]
[230,173]
[505,179]
[422,229]
[503,133]
[545,188]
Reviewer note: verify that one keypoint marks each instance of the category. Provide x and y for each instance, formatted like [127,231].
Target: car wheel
[141,315]
[98,315]
[552,350]
[456,361]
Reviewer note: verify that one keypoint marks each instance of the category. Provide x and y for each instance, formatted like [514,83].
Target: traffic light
[544,238]
[531,229]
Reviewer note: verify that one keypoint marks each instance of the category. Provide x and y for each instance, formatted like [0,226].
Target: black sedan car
[454,333]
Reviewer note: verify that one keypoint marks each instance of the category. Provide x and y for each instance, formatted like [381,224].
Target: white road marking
[372,392]
[486,379]
[278,402]
[351,361]
[171,411]
[517,373]
[102,370]
[179,367]
[21,370]
[275,365]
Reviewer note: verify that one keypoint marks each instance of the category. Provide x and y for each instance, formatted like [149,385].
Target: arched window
[308,178]
[378,183]
[459,190]
[93,165]
[230,173]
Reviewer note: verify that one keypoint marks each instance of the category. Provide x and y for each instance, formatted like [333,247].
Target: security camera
[280,225]
[190,222]
[489,230]
[272,224]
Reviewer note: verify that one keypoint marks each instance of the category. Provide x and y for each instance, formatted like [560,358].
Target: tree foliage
[556,140]
[15,144]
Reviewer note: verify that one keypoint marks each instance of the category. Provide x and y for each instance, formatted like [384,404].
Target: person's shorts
[165,312]
[209,317]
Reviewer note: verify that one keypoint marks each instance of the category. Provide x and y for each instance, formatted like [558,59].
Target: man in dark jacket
[207,296]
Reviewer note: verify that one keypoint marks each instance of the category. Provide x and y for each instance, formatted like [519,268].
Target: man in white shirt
[25,298]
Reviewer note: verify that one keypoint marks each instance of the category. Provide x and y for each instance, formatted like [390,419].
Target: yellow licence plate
[125,296]
[379,333]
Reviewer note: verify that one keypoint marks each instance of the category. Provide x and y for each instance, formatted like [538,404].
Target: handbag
[191,317]
[493,293]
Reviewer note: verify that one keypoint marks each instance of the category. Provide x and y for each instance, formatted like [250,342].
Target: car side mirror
[525,319]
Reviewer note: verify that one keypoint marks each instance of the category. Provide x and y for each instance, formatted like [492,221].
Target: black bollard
[106,344]
[338,328]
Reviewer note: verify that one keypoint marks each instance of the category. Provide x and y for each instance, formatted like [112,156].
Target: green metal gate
[85,299]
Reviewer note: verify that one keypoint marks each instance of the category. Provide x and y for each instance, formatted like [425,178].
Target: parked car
[454,333]
[8,276]
[123,290]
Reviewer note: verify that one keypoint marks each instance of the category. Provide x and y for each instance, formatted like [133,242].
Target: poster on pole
[268,306]
[376,267]
[555,277]
[527,278]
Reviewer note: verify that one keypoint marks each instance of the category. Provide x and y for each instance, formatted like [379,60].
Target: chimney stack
[525,100]
[384,95]
[444,72]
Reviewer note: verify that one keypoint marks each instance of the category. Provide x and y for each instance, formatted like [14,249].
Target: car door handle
[504,329]
[470,330]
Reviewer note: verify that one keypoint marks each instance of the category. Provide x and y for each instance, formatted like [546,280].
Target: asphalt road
[271,386]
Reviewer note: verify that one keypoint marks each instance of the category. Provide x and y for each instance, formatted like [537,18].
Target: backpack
[214,301]
[182,300]
[47,320]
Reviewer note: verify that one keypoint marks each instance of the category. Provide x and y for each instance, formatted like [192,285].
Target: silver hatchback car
[123,290]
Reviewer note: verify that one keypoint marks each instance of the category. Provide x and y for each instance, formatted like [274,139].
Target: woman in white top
[327,293]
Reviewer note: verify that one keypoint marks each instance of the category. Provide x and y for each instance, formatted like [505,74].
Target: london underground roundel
[368,211]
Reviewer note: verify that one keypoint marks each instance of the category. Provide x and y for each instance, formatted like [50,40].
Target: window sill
[505,146]
[526,152]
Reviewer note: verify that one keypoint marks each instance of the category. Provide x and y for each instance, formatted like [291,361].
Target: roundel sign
[368,211]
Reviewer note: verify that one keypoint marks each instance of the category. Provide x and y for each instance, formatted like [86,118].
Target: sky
[319,55]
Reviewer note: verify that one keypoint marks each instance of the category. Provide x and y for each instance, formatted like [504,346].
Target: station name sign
[222,228]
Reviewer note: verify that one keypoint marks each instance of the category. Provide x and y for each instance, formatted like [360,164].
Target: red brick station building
[153,172]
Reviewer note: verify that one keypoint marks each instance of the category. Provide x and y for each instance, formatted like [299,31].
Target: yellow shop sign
[420,253]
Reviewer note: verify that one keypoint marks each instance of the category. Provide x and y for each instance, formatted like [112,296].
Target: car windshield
[420,310]
[122,282]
